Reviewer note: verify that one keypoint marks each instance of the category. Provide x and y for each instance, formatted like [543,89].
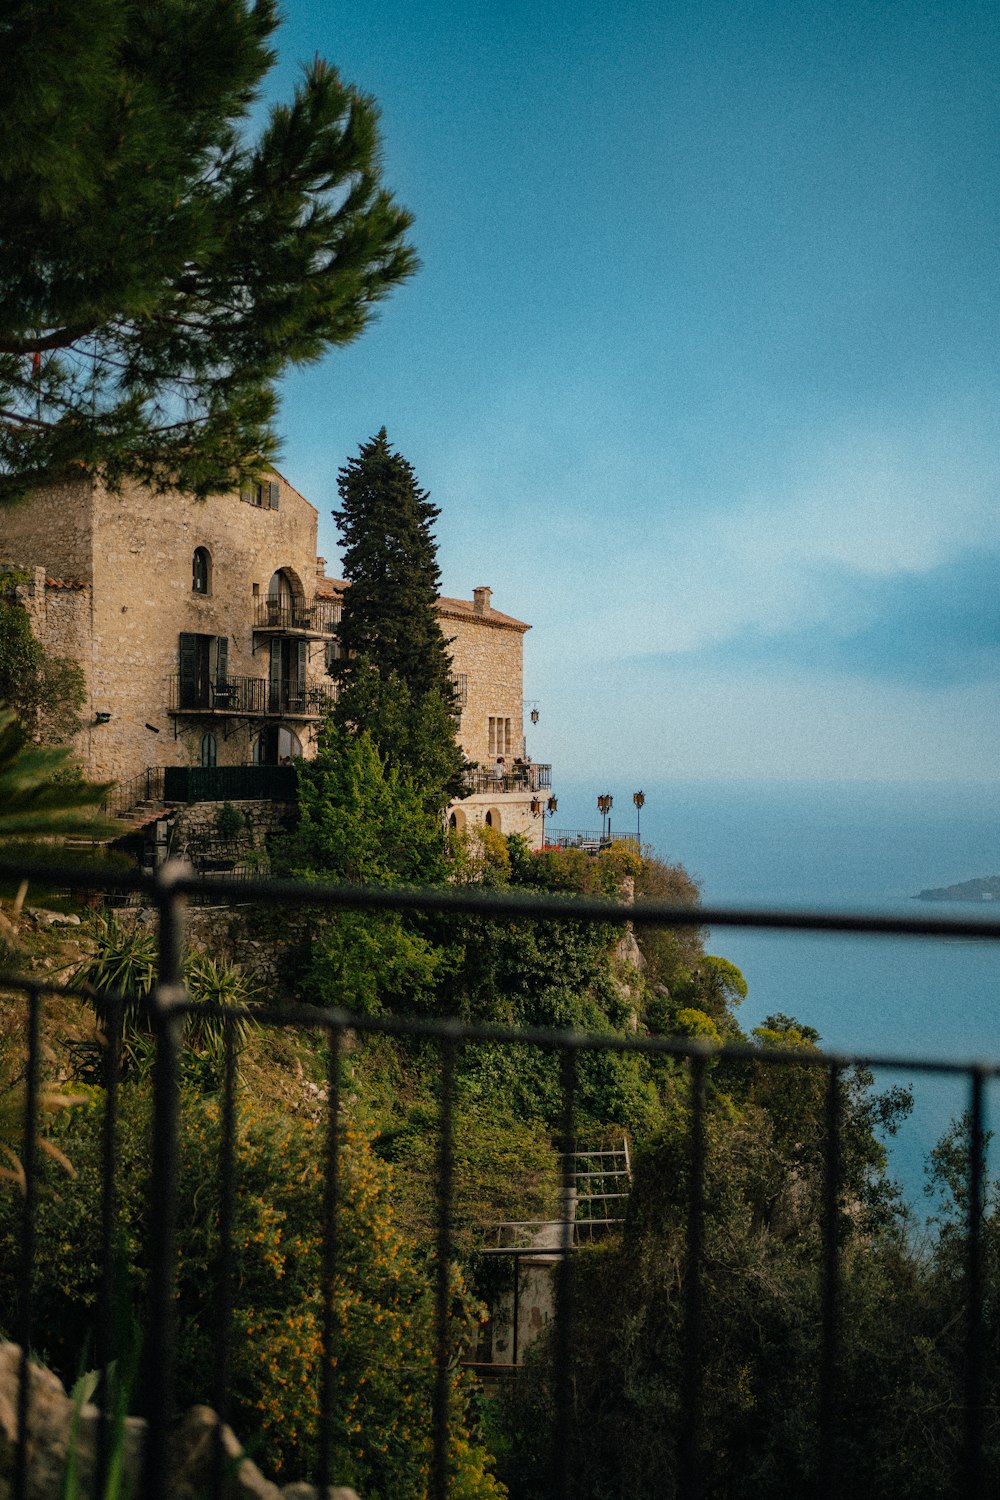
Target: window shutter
[188,670]
[246,495]
[274,494]
[302,662]
[274,700]
[222,659]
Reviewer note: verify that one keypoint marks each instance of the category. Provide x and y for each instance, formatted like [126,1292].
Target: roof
[65,583]
[464,609]
[452,609]
[329,588]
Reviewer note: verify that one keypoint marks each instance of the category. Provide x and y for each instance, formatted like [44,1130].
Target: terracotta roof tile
[65,583]
[459,609]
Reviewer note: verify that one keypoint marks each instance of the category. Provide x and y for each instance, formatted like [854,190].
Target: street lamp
[639,799]
[604,803]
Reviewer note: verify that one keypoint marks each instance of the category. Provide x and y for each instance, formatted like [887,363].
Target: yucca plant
[213,982]
[122,960]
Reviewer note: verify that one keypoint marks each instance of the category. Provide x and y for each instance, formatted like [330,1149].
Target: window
[203,669]
[265,496]
[208,749]
[500,737]
[461,689]
[201,571]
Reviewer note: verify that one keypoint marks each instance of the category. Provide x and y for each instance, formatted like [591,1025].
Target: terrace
[528,777]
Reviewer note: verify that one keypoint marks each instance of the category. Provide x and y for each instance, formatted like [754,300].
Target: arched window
[201,571]
[208,749]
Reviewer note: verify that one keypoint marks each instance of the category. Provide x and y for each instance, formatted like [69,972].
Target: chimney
[481,600]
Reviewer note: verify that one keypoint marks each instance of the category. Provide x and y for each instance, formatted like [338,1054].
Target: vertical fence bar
[27,1266]
[829,1393]
[108,1329]
[445,1180]
[691,1362]
[227,1203]
[563,1340]
[973,1393]
[160,1350]
[331,1193]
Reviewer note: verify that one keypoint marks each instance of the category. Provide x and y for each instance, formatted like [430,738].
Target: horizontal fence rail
[169,1009]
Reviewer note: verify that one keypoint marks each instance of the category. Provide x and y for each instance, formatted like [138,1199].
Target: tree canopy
[159,267]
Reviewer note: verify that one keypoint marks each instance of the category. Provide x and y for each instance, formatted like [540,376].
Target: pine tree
[395,672]
[159,268]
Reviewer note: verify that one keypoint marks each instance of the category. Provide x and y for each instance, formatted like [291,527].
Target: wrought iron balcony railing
[251,697]
[288,615]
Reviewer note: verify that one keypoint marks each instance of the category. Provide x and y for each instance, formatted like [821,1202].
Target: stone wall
[54,527]
[135,550]
[488,648]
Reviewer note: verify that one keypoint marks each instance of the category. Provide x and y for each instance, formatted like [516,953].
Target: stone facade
[205,628]
[138,603]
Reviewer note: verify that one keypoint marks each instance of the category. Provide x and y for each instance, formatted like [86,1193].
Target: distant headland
[985,888]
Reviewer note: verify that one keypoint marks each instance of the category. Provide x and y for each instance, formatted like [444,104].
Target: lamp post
[604,803]
[551,806]
[539,807]
[639,799]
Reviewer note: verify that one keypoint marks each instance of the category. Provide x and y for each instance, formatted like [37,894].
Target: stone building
[205,629]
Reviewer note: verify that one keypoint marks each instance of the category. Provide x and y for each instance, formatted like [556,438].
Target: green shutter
[301,684]
[274,703]
[274,494]
[188,671]
[246,495]
[222,659]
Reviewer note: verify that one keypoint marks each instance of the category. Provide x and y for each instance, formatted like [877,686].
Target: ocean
[837,846]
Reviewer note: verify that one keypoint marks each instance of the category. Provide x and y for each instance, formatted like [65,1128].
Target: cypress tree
[160,267]
[390,558]
[395,673]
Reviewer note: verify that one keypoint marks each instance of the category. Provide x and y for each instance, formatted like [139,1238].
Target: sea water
[867,847]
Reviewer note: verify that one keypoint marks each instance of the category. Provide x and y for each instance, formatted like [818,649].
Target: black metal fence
[168,1010]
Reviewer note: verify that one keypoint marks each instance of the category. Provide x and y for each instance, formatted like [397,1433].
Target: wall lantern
[534,716]
[102,718]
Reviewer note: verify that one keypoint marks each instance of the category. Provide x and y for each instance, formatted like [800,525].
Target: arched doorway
[493,819]
[285,602]
[275,746]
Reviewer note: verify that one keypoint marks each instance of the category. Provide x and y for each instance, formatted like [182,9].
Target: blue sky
[700,366]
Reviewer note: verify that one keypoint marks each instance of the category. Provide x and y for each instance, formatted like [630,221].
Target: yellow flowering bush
[383,1356]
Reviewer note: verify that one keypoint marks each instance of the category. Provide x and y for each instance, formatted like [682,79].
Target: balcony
[296,616]
[251,697]
[524,778]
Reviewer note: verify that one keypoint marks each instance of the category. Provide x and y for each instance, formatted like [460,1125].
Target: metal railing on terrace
[297,614]
[529,777]
[590,840]
[445,1039]
[251,697]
